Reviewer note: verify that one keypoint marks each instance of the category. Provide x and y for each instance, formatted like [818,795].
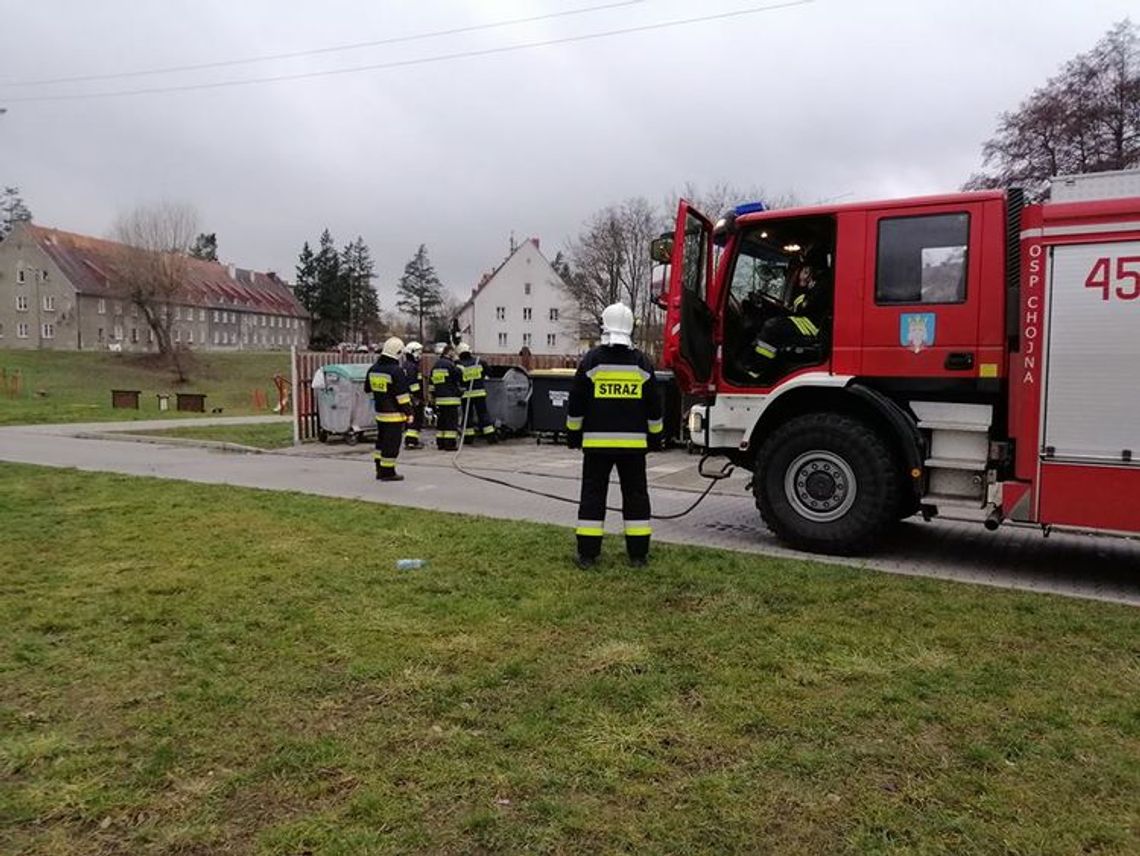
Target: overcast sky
[833,98]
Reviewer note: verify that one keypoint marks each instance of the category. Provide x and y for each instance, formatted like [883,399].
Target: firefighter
[393,402]
[414,379]
[476,421]
[446,386]
[783,343]
[614,416]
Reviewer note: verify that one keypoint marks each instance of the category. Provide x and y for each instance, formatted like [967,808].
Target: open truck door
[688,348]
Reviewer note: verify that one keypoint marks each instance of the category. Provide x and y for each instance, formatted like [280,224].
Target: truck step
[955,464]
[935,425]
[945,501]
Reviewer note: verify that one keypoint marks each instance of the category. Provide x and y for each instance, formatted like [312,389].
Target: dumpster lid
[354,372]
[553,372]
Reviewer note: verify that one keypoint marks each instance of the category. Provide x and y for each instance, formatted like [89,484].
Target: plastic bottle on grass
[410,564]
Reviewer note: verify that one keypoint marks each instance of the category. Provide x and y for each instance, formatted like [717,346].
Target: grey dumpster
[549,393]
[508,393]
[343,407]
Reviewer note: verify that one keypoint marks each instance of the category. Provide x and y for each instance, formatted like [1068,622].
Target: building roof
[88,263]
[487,277]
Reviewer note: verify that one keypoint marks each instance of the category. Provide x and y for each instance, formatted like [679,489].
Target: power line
[189,87]
[171,69]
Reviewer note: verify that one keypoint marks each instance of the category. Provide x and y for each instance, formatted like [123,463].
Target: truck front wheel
[827,483]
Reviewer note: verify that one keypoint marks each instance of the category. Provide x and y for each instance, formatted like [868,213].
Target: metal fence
[306,363]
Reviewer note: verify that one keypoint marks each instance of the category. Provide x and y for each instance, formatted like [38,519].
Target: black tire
[350,438]
[840,467]
[322,435]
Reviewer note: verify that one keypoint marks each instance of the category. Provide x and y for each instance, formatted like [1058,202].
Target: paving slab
[1013,557]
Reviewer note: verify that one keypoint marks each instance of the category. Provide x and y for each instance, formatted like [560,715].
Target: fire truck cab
[966,355]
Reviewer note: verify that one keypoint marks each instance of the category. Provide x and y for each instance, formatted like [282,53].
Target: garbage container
[508,393]
[125,399]
[550,391]
[344,408]
[191,402]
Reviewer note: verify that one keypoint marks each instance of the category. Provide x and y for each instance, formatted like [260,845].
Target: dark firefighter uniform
[782,343]
[414,381]
[476,421]
[614,415]
[393,404]
[446,392]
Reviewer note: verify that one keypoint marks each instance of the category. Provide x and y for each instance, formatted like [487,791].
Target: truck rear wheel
[827,483]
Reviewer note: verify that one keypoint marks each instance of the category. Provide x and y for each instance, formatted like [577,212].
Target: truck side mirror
[661,249]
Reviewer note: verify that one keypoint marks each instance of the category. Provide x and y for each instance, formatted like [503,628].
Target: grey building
[57,292]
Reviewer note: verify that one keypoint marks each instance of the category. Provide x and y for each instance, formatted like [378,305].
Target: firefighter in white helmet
[393,403]
[614,416]
[414,378]
[476,420]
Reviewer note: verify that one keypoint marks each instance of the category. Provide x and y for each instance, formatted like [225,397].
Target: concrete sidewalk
[1099,568]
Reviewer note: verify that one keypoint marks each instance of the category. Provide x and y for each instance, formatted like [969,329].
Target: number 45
[1127,267]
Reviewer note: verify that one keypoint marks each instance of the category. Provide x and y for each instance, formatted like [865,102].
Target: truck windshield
[760,272]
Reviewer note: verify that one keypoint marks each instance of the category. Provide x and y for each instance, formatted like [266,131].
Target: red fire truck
[966,355]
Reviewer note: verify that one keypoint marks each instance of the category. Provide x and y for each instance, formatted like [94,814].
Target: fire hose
[725,471]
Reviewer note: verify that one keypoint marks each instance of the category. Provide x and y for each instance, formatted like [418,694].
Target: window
[922,259]
[22,330]
[526,340]
[150,337]
[500,313]
[215,316]
[49,303]
[190,336]
[554,314]
[134,335]
[527,313]
[202,334]
[201,314]
[118,308]
[43,276]
[262,320]
[99,334]
[178,337]
[102,310]
[526,288]
[177,313]
[215,337]
[22,303]
[551,340]
[502,340]
[1,331]
[20,278]
[47,331]
[118,333]
[135,310]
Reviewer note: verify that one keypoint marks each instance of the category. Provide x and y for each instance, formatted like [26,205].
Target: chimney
[536,244]
[231,271]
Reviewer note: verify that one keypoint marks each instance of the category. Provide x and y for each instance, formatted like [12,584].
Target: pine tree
[330,302]
[306,288]
[12,210]
[420,291]
[363,306]
[205,247]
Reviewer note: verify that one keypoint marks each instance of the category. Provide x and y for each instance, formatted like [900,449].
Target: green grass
[70,386]
[273,436]
[200,669]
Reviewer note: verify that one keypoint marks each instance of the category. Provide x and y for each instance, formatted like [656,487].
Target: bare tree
[715,200]
[151,266]
[1085,119]
[609,262]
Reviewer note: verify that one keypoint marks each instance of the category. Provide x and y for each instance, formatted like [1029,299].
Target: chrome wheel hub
[820,486]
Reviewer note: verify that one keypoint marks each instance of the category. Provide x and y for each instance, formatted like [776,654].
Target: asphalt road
[1021,558]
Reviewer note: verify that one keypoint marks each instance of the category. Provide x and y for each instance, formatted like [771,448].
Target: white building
[521,303]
